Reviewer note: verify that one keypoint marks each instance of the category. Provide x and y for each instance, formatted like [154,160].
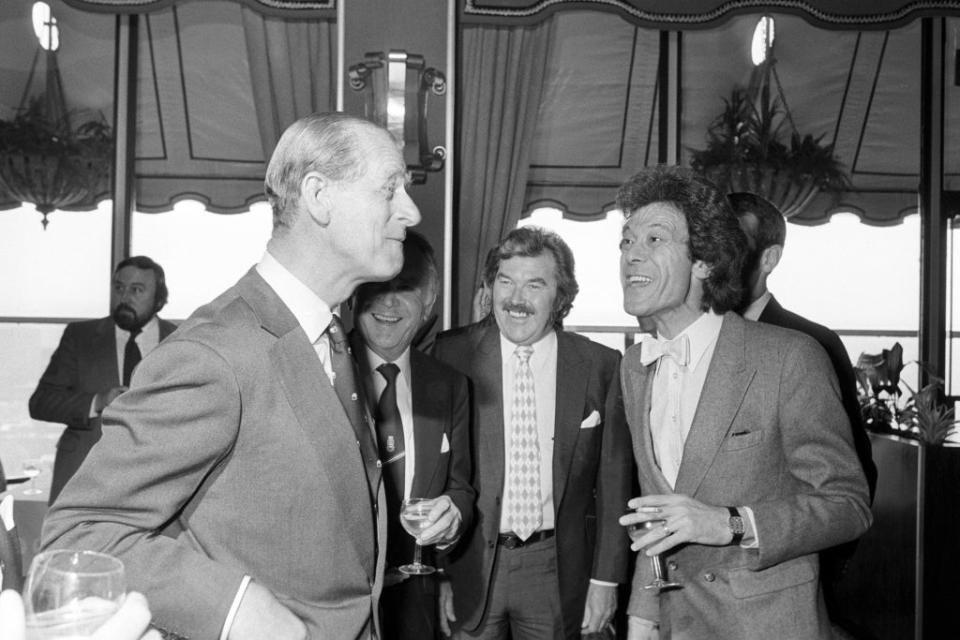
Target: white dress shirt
[543,365]
[375,384]
[147,340]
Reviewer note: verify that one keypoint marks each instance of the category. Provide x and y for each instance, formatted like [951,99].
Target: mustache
[518,307]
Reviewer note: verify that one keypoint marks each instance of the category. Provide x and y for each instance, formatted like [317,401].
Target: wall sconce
[384,78]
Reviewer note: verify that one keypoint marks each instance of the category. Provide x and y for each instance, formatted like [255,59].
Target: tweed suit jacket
[84,364]
[231,455]
[592,474]
[769,433]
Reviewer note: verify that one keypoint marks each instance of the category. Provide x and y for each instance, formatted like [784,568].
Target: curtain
[291,68]
[502,74]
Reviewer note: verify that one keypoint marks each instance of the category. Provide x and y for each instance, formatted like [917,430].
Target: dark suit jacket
[591,470]
[84,364]
[233,446]
[441,431]
[769,434]
[774,314]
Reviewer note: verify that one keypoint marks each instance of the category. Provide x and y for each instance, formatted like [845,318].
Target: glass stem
[416,554]
[657,562]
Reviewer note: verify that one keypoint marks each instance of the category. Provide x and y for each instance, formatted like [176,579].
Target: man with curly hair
[745,455]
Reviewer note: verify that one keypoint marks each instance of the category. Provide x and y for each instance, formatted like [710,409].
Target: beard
[127,317]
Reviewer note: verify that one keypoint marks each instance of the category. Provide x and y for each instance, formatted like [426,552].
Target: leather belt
[511,541]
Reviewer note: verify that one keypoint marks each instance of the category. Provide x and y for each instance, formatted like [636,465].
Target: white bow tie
[652,349]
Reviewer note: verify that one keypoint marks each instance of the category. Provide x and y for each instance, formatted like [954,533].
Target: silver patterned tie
[523,486]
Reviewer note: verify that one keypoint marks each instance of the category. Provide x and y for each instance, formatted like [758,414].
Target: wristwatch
[736,525]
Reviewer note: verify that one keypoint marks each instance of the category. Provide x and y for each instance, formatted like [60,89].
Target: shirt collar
[152,328]
[312,313]
[755,308]
[702,333]
[403,362]
[541,347]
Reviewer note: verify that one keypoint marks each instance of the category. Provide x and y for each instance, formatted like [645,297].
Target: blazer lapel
[489,403]
[318,410]
[104,355]
[428,430]
[727,380]
[640,381]
[570,400]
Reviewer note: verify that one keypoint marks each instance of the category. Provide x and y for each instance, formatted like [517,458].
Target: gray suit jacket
[231,455]
[769,433]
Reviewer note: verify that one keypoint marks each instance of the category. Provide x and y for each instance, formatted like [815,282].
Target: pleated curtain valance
[698,14]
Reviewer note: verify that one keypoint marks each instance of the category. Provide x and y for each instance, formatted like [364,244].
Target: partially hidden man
[94,360]
[238,479]
[552,466]
[422,411]
[742,445]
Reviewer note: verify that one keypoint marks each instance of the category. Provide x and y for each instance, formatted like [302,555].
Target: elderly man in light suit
[239,479]
[743,448]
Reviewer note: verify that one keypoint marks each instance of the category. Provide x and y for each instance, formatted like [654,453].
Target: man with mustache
[551,458]
[94,361]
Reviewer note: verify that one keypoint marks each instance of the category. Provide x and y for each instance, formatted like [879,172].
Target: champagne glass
[413,517]
[31,469]
[70,594]
[660,581]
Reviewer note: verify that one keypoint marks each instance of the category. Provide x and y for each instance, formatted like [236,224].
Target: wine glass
[70,594]
[31,469]
[413,517]
[660,581]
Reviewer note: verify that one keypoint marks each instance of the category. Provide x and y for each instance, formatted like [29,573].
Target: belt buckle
[511,541]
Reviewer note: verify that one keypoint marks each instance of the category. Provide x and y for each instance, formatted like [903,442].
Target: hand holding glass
[70,594]
[414,516]
[660,581]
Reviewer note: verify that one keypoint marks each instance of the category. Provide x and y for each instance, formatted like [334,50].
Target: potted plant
[751,148]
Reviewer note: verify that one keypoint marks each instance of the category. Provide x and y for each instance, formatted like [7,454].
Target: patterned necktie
[523,486]
[652,349]
[390,438]
[131,356]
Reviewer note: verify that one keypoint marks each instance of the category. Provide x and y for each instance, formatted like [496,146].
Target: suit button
[491,544]
[709,577]
[672,565]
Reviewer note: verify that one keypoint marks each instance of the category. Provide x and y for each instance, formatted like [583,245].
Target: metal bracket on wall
[383,79]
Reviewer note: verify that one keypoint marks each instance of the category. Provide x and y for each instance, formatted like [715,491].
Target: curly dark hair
[530,242]
[714,233]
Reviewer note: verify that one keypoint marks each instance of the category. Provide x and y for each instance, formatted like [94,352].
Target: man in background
[745,456]
[239,480]
[95,359]
[551,454]
[422,414]
[766,231]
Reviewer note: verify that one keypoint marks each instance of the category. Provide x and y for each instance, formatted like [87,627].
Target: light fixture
[44,160]
[387,81]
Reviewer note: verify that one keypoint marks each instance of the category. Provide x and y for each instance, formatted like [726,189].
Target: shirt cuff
[93,408]
[233,608]
[750,538]
[642,623]
[602,583]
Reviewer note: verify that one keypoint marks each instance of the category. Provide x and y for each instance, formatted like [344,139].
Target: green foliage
[31,131]
[750,134]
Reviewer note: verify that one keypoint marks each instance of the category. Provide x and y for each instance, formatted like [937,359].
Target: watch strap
[736,525]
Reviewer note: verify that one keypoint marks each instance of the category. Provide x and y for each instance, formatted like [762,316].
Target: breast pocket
[742,440]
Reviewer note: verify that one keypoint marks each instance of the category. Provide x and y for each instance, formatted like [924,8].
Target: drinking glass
[413,517]
[660,581]
[70,594]
[31,469]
